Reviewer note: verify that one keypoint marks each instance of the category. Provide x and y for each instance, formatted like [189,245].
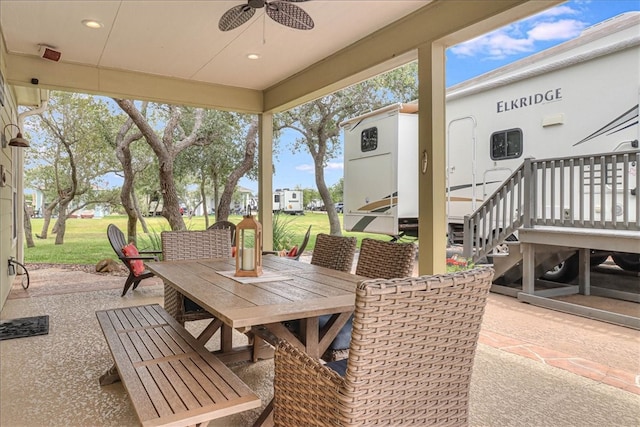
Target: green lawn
[85,241]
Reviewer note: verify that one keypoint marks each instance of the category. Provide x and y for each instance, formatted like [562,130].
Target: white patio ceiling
[154,49]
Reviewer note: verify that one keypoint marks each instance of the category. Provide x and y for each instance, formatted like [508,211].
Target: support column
[265,179]
[432,217]
[528,268]
[584,271]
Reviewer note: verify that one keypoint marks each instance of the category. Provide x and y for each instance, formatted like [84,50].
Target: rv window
[276,198]
[369,139]
[506,144]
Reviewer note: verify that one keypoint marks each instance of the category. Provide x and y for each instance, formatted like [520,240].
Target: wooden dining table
[287,291]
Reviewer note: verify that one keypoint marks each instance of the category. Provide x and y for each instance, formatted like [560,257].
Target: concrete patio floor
[534,367]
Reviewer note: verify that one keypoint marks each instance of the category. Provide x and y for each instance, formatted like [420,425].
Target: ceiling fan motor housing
[256,4]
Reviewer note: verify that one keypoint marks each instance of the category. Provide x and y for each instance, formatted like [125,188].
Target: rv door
[462,195]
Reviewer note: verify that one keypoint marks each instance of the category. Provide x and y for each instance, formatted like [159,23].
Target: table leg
[208,332]
[266,418]
[226,339]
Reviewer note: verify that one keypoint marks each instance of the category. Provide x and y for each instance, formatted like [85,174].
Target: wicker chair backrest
[413,345]
[181,245]
[335,252]
[225,225]
[385,260]
[200,244]
[410,360]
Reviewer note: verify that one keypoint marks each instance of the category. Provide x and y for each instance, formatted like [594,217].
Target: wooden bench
[170,377]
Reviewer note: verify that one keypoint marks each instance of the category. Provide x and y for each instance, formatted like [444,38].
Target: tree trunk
[28,234]
[143,223]
[171,204]
[48,211]
[216,196]
[334,219]
[61,224]
[203,197]
[234,177]
[126,197]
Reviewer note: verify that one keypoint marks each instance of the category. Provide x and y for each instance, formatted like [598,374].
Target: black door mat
[24,327]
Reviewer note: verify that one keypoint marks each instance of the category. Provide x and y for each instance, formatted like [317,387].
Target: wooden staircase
[550,209]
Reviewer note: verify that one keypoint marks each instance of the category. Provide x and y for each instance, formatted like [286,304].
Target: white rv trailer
[580,97]
[288,201]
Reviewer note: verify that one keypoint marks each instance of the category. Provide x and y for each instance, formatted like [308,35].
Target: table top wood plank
[247,317]
[311,291]
[252,294]
[179,273]
[294,288]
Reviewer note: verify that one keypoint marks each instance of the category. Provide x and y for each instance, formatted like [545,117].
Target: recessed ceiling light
[253,56]
[91,23]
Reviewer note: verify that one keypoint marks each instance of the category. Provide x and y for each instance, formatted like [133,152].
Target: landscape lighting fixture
[18,141]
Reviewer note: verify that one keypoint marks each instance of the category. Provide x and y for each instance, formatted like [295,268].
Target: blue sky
[468,60]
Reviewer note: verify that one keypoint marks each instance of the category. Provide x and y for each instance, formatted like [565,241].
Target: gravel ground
[87,268]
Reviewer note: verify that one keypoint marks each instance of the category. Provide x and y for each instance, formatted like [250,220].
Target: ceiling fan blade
[287,13]
[235,17]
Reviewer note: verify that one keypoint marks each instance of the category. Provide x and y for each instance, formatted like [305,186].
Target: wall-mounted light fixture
[18,141]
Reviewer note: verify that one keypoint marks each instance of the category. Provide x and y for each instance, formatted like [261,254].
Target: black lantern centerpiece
[249,247]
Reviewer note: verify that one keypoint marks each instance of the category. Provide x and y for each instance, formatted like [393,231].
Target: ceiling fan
[282,11]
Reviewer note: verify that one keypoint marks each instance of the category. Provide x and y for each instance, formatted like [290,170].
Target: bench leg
[110,377]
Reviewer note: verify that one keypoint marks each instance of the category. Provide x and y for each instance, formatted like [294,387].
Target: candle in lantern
[248,259]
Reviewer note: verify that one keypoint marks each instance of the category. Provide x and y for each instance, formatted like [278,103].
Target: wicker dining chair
[411,357]
[225,224]
[377,260]
[181,245]
[385,260]
[335,252]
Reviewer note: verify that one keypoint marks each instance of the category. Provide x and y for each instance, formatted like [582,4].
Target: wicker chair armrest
[305,391]
[150,252]
[143,258]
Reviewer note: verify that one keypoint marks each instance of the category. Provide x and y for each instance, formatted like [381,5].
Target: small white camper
[288,201]
[580,97]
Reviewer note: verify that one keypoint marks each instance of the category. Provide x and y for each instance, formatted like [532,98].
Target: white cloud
[305,168]
[334,166]
[561,30]
[521,37]
[311,169]
[556,11]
